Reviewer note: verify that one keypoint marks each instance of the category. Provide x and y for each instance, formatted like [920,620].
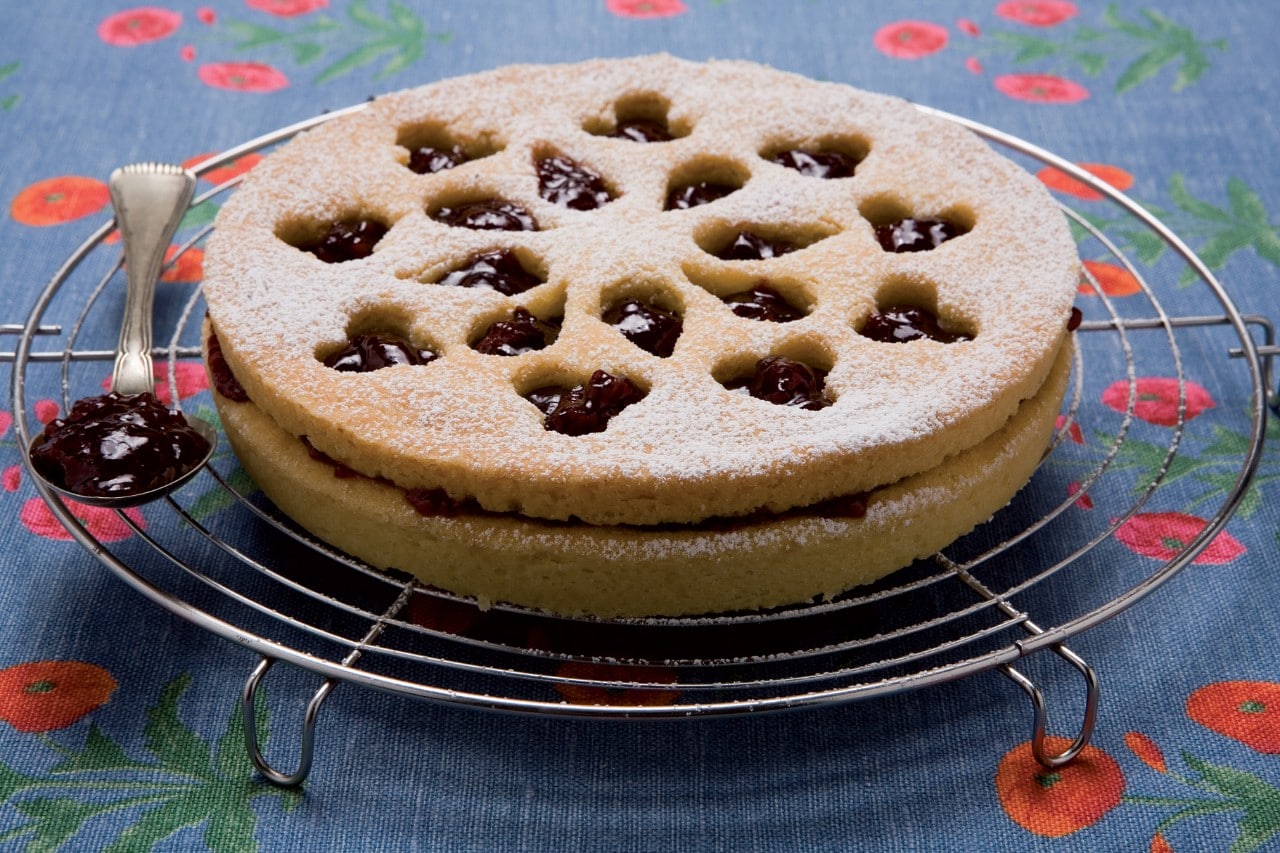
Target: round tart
[604,308]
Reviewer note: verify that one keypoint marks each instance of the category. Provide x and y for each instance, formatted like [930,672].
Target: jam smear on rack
[695,195]
[748,246]
[917,235]
[428,160]
[585,408]
[518,335]
[897,324]
[492,214]
[347,241]
[648,326]
[368,352]
[762,302]
[817,164]
[499,270]
[117,445]
[566,182]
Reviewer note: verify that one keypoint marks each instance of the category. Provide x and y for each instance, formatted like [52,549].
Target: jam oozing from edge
[1076,318]
[117,446]
[492,214]
[695,195]
[762,302]
[747,246]
[368,352]
[428,160]
[518,335]
[642,130]
[897,324]
[585,408]
[437,503]
[224,381]
[916,235]
[566,182]
[785,382]
[347,241]
[500,271]
[817,164]
[653,329]
[341,471]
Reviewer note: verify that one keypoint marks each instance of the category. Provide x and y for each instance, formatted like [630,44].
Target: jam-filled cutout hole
[652,322]
[776,299]
[433,149]
[751,242]
[827,159]
[899,229]
[506,271]
[517,332]
[567,182]
[483,213]
[347,238]
[641,117]
[374,343]
[907,311]
[704,181]
[586,406]
[796,379]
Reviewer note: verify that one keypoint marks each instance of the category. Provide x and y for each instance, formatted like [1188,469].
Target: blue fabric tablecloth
[119,725]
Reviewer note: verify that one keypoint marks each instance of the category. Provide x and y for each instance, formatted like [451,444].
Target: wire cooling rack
[1040,572]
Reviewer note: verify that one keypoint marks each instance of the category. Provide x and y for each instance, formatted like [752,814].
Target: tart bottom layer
[579,569]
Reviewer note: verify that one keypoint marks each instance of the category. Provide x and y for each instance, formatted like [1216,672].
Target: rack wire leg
[247,710]
[1038,747]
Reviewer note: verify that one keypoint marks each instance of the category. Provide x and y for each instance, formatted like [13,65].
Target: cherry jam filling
[916,235]
[341,471]
[369,352]
[762,302]
[747,246]
[437,503]
[518,335]
[653,329]
[347,241]
[492,214]
[817,164]
[785,382]
[427,160]
[642,130]
[585,408]
[897,324]
[224,381]
[499,270]
[115,446]
[1076,318]
[566,182]
[697,194]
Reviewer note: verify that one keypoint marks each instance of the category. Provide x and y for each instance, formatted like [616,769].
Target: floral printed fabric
[118,721]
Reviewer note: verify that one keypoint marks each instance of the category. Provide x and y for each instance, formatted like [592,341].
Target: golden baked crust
[691,449]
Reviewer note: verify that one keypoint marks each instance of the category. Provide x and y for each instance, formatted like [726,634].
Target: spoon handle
[149,201]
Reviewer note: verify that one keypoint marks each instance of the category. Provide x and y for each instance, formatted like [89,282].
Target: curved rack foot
[1039,724]
[248,700]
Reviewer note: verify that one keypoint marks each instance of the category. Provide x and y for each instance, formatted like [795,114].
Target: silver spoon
[149,201]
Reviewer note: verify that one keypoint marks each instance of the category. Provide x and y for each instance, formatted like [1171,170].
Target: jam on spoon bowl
[125,448]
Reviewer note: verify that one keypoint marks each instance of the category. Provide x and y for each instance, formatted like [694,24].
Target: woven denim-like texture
[1177,101]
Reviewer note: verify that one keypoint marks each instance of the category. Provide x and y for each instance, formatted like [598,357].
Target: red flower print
[1146,750]
[133,27]
[54,201]
[46,410]
[103,524]
[287,8]
[591,694]
[1164,535]
[1084,501]
[1247,711]
[6,421]
[188,267]
[1160,845]
[1060,181]
[11,479]
[52,694]
[1041,88]
[1037,13]
[188,53]
[242,76]
[973,65]
[1073,429]
[1112,279]
[190,375]
[1156,400]
[968,27]
[206,15]
[1053,803]
[910,39]
[646,8]
[234,169]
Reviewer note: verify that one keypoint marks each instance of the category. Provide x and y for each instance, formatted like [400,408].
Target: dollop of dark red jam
[492,214]
[1076,318]
[117,446]
[428,160]
[762,302]
[747,246]
[695,195]
[817,164]
[518,335]
[642,130]
[224,381]
[646,325]
[585,408]
[916,235]
[896,324]
[842,506]
[347,241]
[368,352]
[785,382]
[566,182]
[500,270]
[437,503]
